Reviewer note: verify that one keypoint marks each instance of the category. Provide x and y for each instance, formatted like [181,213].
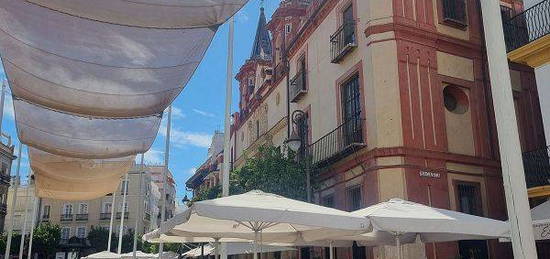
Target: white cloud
[204,113]
[182,138]
[242,17]
[8,106]
[176,112]
[152,156]
[191,171]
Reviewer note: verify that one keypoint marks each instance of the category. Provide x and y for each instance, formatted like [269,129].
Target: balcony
[81,217]
[3,209]
[537,172]
[298,86]
[45,218]
[147,216]
[105,216]
[527,35]
[66,217]
[342,42]
[5,179]
[338,143]
[119,214]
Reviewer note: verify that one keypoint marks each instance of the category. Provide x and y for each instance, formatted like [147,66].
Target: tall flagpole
[13,202]
[164,173]
[515,189]
[227,133]
[2,98]
[34,216]
[122,213]
[113,211]
[139,215]
[27,203]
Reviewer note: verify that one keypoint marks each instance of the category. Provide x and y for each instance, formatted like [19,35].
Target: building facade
[393,101]
[156,177]
[208,174]
[6,158]
[76,218]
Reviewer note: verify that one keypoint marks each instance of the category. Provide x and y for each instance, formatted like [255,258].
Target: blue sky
[199,109]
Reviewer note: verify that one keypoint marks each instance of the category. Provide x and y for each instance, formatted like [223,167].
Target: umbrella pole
[398,244]
[331,250]
[255,244]
[217,248]
[111,222]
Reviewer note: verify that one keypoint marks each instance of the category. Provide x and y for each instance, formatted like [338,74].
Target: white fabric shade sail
[86,67]
[83,137]
[60,177]
[91,79]
[263,216]
[150,13]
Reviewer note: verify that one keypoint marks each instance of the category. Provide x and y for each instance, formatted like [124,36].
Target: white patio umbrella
[541,221]
[139,254]
[264,217]
[404,221]
[236,249]
[103,255]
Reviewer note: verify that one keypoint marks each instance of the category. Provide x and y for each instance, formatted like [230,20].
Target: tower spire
[262,43]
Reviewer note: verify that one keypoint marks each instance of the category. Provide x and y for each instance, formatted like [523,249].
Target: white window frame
[81,206]
[68,232]
[104,207]
[44,211]
[65,210]
[288,28]
[78,229]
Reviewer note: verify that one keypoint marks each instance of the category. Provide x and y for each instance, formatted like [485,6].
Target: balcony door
[352,131]
[68,209]
[348,23]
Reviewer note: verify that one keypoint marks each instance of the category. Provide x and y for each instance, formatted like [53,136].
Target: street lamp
[297,144]
[294,141]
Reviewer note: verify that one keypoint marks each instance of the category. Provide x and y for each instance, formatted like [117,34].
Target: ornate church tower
[254,76]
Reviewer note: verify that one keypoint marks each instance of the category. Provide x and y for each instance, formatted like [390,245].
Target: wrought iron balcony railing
[528,26]
[66,217]
[537,167]
[118,215]
[337,143]
[147,216]
[45,218]
[82,217]
[104,215]
[298,86]
[3,209]
[343,41]
[5,179]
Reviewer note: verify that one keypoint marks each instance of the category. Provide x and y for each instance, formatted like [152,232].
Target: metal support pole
[227,125]
[2,100]
[22,242]
[122,213]
[139,215]
[523,242]
[164,175]
[13,202]
[113,212]
[34,216]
